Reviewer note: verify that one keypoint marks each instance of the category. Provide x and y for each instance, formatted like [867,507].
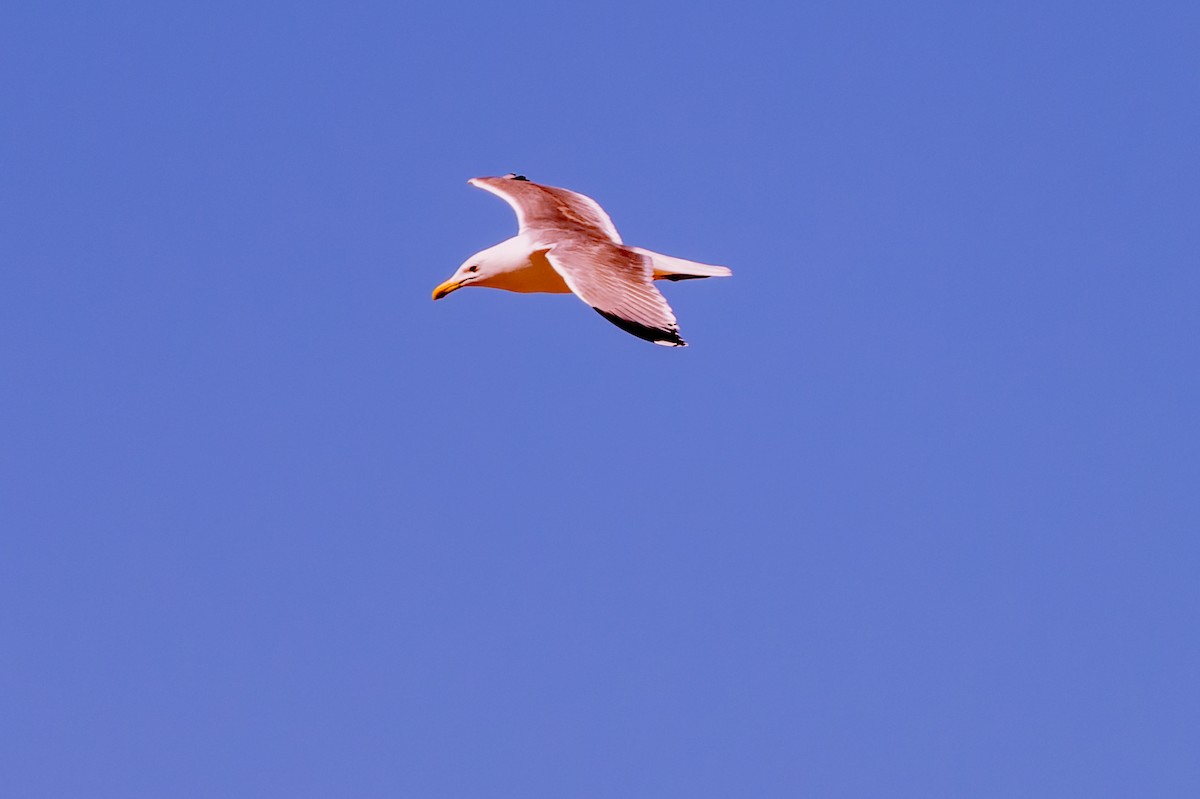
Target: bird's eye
[473,268]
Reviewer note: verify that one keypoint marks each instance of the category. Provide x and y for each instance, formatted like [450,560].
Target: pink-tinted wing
[617,283]
[541,207]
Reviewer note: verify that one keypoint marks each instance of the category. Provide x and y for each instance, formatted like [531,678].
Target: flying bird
[567,244]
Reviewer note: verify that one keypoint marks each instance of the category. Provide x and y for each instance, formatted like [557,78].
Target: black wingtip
[515,176]
[668,337]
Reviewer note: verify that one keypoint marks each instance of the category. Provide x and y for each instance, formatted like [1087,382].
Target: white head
[491,267]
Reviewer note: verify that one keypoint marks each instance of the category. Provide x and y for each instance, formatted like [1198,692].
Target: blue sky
[915,514]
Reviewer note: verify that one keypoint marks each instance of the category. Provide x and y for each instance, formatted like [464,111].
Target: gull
[567,244]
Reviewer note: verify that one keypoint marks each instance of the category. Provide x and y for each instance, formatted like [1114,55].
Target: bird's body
[567,244]
[517,264]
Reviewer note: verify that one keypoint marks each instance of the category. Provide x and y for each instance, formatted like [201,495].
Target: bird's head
[465,275]
[487,267]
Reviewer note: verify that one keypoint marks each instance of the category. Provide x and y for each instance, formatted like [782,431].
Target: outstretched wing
[616,282]
[541,207]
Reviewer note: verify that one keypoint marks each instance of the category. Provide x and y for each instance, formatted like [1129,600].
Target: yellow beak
[445,288]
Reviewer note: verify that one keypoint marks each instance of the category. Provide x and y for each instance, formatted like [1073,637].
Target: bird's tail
[668,268]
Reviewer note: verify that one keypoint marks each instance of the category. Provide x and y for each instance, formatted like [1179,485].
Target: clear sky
[915,515]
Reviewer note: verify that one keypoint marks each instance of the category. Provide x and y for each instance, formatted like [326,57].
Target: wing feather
[541,207]
[617,283]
